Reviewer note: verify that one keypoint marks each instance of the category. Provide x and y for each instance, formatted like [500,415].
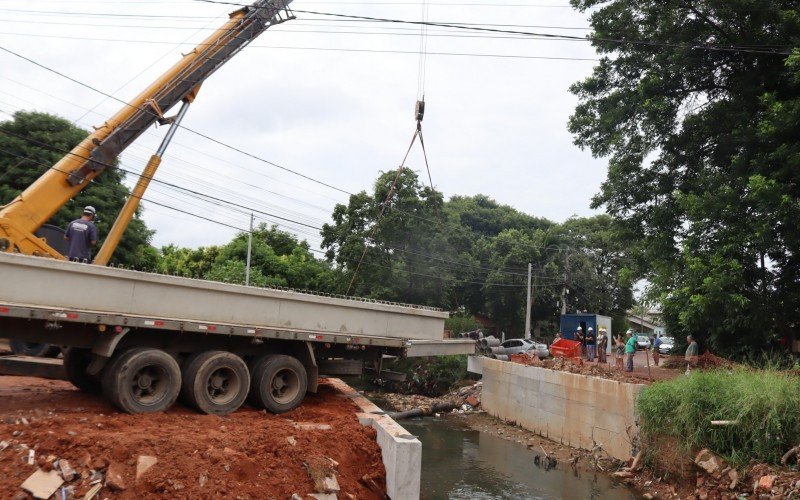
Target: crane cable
[419,114]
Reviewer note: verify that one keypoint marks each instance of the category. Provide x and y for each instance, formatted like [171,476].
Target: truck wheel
[279,383]
[76,361]
[215,382]
[34,349]
[142,380]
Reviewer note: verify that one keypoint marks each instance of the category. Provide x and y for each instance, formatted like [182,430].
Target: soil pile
[249,454]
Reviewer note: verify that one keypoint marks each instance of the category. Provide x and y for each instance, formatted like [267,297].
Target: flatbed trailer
[143,338]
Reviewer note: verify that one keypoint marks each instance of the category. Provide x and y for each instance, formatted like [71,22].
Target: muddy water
[461,463]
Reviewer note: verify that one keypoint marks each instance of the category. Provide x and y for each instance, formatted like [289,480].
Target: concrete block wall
[573,409]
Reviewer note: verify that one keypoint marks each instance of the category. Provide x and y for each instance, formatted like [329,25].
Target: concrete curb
[402,452]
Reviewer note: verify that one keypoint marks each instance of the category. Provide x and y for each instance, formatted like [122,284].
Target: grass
[766,404]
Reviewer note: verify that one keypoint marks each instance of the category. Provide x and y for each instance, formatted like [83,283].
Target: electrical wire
[732,48]
[461,228]
[246,231]
[245,210]
[199,134]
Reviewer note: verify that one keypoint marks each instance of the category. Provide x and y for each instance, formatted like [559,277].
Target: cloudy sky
[331,99]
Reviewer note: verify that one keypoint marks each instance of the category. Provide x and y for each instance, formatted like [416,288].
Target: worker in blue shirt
[82,236]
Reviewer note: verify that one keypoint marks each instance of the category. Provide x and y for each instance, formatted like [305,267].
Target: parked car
[642,342]
[516,346]
[667,343]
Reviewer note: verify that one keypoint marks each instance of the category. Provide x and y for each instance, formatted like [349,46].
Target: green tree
[696,106]
[388,237]
[23,161]
[599,275]
[280,260]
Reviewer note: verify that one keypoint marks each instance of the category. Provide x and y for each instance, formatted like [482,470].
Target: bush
[431,376]
[765,403]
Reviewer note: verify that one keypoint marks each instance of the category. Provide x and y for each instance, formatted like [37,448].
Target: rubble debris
[42,484]
[765,483]
[93,491]
[306,426]
[114,477]
[322,473]
[709,462]
[67,472]
[637,461]
[423,411]
[143,464]
[733,476]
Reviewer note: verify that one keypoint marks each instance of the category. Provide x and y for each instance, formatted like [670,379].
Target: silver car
[516,346]
[667,343]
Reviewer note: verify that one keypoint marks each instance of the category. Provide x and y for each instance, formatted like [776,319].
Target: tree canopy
[23,161]
[695,105]
[470,254]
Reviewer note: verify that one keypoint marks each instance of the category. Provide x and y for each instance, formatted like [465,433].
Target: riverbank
[689,477]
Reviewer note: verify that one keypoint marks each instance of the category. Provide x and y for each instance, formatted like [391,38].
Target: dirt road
[250,454]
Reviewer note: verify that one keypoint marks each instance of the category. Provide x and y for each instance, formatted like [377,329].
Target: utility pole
[528,309]
[565,291]
[249,252]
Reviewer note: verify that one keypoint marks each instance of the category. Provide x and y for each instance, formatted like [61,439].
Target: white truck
[144,339]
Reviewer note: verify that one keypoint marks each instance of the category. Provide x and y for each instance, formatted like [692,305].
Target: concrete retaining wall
[402,452]
[573,409]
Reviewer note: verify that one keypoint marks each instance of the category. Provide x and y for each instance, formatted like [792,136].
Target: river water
[461,463]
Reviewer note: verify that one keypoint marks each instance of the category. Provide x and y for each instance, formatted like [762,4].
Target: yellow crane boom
[24,215]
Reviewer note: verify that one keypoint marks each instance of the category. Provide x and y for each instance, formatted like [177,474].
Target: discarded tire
[278,383]
[215,382]
[76,361]
[142,380]
[34,349]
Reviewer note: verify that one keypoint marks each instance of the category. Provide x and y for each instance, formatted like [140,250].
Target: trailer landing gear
[76,361]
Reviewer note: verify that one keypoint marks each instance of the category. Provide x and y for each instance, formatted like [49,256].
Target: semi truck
[144,339]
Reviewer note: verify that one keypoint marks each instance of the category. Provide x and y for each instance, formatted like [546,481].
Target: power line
[311,48]
[460,228]
[147,110]
[243,208]
[208,219]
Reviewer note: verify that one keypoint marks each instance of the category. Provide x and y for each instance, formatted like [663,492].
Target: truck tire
[215,382]
[142,380]
[278,383]
[76,361]
[34,349]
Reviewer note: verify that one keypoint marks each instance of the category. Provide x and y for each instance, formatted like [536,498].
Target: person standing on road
[602,345]
[579,337]
[590,344]
[630,351]
[656,354]
[692,351]
[82,236]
